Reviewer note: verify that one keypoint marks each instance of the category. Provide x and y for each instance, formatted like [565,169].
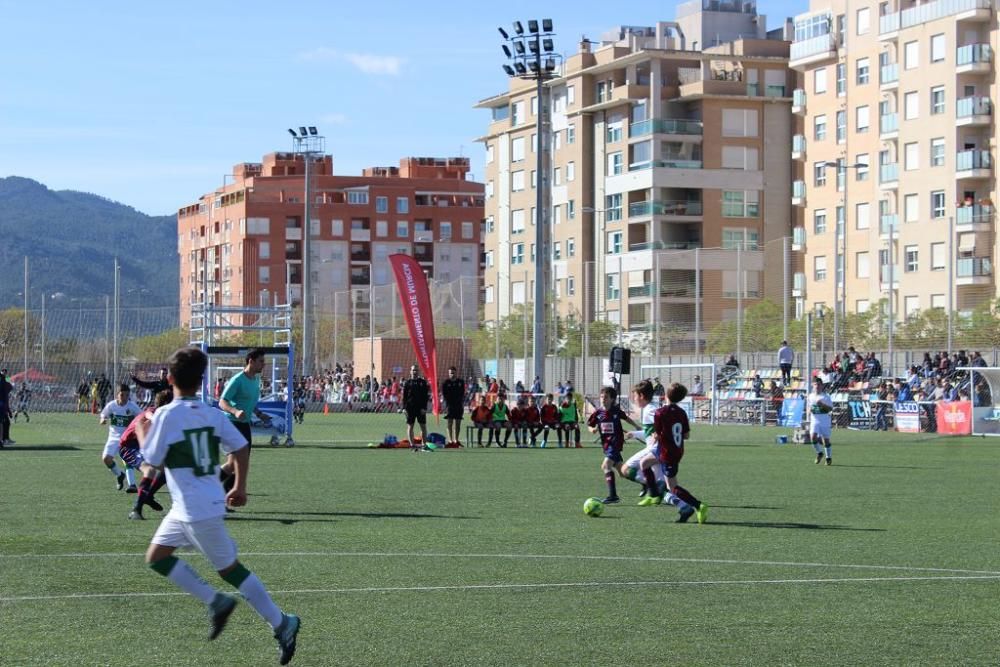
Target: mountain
[71,239]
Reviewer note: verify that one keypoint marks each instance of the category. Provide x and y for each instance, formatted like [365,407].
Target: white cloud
[375,64]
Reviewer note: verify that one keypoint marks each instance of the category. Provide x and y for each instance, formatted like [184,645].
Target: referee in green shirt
[239,400]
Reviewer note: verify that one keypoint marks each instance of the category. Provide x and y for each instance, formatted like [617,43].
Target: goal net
[984,391]
[700,379]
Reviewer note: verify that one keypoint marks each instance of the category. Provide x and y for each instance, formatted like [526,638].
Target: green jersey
[568,414]
[243,393]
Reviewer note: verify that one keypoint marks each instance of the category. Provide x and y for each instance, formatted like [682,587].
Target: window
[819,127]
[862,120]
[739,122]
[615,163]
[534,105]
[517,221]
[937,152]
[613,207]
[570,95]
[614,243]
[937,100]
[517,181]
[819,221]
[357,197]
[557,176]
[534,179]
[468,230]
[911,55]
[819,80]
[381,228]
[488,190]
[488,296]
[911,306]
[571,247]
[861,216]
[570,286]
[517,113]
[570,171]
[861,268]
[489,224]
[517,149]
[841,127]
[402,229]
[556,215]
[557,250]
[911,105]
[264,250]
[614,132]
[571,134]
[489,153]
[911,207]
[911,156]
[937,301]
[863,23]
[819,174]
[819,268]
[739,157]
[938,255]
[862,71]
[937,204]
[612,287]
[263,274]
[741,237]
[740,204]
[910,258]
[861,171]
[381,204]
[841,79]
[489,258]
[571,209]
[517,253]
[337,227]
[937,48]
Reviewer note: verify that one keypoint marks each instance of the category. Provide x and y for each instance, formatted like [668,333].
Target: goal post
[984,392]
[276,401]
[685,374]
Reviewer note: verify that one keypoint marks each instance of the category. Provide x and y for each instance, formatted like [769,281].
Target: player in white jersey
[118,414]
[820,406]
[185,438]
[642,395]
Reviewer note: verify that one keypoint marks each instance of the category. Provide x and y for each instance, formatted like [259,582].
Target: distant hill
[72,238]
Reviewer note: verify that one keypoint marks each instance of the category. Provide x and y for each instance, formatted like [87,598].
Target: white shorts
[209,537]
[821,430]
[111,447]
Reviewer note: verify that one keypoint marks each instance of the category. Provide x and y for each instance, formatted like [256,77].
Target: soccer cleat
[121,481]
[219,611]
[545,443]
[136,515]
[829,461]
[650,500]
[274,441]
[131,489]
[611,500]
[819,459]
[286,635]
[684,514]
[702,513]
[289,442]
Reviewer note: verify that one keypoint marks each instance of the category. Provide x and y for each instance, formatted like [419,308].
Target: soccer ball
[593,507]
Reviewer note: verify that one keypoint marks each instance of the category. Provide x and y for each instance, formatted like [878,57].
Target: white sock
[828,452]
[114,469]
[185,577]
[818,448]
[671,499]
[130,475]
[258,598]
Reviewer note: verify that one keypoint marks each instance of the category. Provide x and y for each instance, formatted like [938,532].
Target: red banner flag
[954,418]
[416,301]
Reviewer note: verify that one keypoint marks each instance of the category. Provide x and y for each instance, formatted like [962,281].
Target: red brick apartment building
[242,243]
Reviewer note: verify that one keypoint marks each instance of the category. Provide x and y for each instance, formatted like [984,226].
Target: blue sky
[151,104]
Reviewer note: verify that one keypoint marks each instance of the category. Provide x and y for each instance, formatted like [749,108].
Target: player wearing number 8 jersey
[671,429]
[185,438]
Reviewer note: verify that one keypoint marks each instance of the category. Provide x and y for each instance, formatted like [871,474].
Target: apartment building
[897,137]
[666,141]
[241,244]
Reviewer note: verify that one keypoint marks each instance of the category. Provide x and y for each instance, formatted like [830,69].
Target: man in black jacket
[416,392]
[5,389]
[154,387]
[453,392]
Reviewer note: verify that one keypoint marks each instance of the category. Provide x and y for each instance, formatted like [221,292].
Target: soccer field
[484,556]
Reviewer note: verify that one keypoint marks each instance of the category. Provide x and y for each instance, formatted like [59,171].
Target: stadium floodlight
[533,66]
[547,45]
[550,65]
[509,70]
[292,132]
[312,131]
[506,51]
[533,26]
[504,33]
[520,68]
[533,46]
[518,28]
[519,47]
[302,131]
[546,25]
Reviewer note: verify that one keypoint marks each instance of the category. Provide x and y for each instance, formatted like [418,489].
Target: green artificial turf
[484,556]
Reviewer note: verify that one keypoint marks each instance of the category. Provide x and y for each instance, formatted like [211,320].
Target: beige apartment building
[896,144]
[668,143]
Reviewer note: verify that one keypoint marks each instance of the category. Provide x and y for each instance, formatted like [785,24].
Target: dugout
[392,357]
[984,389]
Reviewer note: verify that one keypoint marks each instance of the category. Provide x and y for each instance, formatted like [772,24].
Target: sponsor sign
[954,417]
[907,417]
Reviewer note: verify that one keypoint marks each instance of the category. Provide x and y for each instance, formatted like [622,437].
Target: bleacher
[740,387]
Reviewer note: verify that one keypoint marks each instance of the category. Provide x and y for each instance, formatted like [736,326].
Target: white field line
[474,587]
[635,559]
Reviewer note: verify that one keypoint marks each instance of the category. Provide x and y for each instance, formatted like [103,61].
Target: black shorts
[419,416]
[454,412]
[244,428]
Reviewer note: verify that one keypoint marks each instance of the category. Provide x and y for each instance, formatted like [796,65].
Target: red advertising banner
[954,417]
[416,301]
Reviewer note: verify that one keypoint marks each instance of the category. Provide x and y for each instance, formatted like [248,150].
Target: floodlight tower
[309,144]
[533,58]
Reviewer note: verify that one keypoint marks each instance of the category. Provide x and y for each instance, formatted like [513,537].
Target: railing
[888,224]
[664,245]
[889,73]
[799,98]
[799,143]
[976,214]
[798,236]
[798,189]
[799,281]
[665,164]
[641,208]
[666,126]
[887,173]
[641,290]
[971,267]
[812,47]
[774,91]
[928,12]
[888,275]
[974,159]
[888,122]
[753,90]
[888,23]
[973,106]
[974,53]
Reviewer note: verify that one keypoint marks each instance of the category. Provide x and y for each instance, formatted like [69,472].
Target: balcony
[798,238]
[423,236]
[361,234]
[963,10]
[812,50]
[664,245]
[666,164]
[888,125]
[888,277]
[675,126]
[973,164]
[798,146]
[889,76]
[977,58]
[799,285]
[798,193]
[888,176]
[798,101]
[364,255]
[973,271]
[888,226]
[640,291]
[974,111]
[978,217]
[690,209]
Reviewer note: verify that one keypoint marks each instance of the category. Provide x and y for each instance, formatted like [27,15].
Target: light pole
[840,253]
[309,145]
[534,58]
